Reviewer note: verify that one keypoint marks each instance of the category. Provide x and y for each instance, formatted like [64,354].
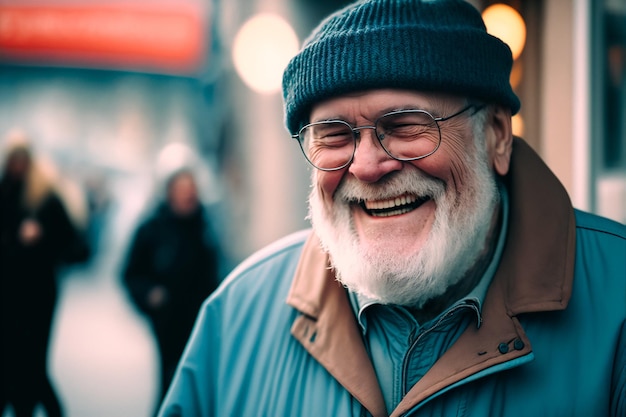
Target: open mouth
[393,206]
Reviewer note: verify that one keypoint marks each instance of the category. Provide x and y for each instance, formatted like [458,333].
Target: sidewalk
[103,358]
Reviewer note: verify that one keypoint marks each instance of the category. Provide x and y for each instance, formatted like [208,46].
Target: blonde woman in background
[37,235]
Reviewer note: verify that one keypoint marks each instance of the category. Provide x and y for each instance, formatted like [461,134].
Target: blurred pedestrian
[172,266]
[37,236]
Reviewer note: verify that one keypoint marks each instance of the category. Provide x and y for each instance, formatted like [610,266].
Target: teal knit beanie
[436,45]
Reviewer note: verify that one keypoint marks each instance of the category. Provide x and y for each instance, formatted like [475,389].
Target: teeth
[390,203]
[392,213]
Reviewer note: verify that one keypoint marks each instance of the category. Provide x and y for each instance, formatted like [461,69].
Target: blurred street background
[116,95]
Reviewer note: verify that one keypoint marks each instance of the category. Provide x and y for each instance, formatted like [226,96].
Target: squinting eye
[334,134]
[331,134]
[402,130]
[405,125]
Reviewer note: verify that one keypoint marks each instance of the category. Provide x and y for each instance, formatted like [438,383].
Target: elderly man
[446,272]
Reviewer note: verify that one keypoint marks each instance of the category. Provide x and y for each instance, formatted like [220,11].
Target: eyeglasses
[405,135]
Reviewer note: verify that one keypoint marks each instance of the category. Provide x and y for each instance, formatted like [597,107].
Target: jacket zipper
[405,365]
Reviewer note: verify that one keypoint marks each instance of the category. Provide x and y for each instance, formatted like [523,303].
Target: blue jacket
[279,337]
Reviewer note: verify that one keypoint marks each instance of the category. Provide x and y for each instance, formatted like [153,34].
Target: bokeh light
[262,48]
[517,125]
[506,23]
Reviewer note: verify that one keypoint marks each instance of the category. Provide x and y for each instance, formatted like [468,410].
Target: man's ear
[500,137]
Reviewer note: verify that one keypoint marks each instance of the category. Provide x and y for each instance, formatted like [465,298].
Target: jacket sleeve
[191,393]
[618,382]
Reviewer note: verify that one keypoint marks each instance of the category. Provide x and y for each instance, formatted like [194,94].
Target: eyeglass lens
[405,135]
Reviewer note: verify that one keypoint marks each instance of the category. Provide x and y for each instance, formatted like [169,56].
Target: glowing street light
[505,22]
[262,48]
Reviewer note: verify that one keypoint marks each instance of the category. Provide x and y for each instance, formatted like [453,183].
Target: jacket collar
[528,279]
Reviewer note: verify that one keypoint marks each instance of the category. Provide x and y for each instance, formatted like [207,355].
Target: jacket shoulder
[271,263]
[594,223]
[600,252]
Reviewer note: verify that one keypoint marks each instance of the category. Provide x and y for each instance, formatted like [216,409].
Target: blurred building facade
[571,78]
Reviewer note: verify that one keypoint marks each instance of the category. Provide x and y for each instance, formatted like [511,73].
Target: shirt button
[503,348]
[518,344]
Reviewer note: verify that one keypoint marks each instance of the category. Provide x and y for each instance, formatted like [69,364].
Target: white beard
[455,243]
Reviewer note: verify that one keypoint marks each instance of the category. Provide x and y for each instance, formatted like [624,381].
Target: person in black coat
[171,267]
[37,236]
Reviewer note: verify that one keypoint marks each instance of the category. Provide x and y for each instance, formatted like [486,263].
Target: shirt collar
[360,303]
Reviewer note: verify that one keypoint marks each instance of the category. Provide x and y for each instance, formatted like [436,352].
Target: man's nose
[371,162]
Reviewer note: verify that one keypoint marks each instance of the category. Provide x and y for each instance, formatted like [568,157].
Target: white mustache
[412,182]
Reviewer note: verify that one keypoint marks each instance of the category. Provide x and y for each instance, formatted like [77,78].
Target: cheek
[450,162]
[327,183]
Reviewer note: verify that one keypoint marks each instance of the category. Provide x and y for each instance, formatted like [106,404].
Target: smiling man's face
[403,232]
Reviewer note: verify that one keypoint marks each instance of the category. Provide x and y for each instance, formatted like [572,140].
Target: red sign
[152,36]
